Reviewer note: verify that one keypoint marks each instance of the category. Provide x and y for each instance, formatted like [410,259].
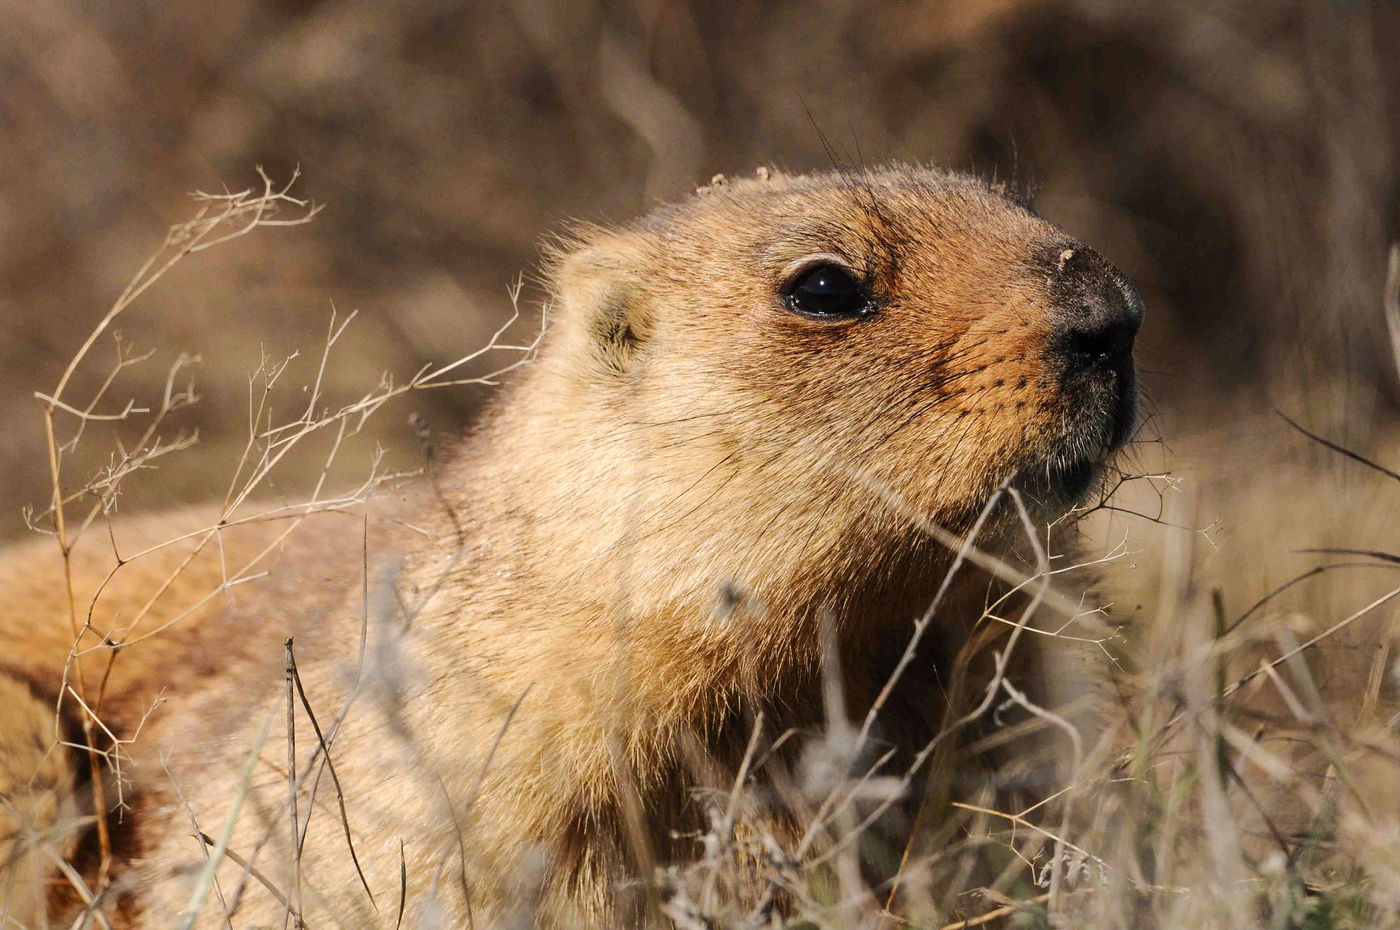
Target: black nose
[1096,308]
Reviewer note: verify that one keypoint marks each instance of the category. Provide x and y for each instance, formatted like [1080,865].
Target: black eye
[827,290]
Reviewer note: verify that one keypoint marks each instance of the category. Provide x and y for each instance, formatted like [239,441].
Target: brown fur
[640,546]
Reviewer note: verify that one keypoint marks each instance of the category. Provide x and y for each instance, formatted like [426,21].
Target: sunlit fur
[641,545]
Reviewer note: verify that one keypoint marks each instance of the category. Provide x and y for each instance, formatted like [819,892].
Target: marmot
[658,531]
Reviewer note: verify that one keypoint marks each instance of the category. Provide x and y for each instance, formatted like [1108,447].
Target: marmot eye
[827,290]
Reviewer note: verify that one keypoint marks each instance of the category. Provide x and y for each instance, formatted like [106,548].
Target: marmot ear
[600,303]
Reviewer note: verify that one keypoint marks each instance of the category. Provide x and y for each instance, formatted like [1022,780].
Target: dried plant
[78,508]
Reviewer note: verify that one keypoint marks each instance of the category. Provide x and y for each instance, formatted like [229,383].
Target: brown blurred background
[1237,159]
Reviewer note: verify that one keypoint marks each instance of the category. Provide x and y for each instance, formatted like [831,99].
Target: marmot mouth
[1060,484]
[1066,476]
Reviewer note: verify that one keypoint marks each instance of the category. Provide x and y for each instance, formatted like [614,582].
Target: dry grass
[90,505]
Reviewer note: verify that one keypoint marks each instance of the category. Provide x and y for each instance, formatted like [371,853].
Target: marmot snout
[886,315]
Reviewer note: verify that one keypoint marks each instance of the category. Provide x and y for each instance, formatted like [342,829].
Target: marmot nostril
[1095,316]
[1099,310]
[1101,341]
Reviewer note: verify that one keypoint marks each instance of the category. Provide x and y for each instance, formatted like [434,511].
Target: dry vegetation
[1243,769]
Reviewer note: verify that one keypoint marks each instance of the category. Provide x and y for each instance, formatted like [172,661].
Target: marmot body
[709,473]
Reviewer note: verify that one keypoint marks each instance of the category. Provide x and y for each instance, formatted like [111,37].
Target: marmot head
[776,348]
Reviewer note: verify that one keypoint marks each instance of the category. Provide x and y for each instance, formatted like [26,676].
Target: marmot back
[761,423]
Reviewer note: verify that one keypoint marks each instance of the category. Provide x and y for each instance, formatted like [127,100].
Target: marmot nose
[1097,308]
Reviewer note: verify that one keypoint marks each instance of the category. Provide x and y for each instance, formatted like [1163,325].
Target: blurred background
[1237,160]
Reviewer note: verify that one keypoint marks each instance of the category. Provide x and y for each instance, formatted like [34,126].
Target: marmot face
[916,327]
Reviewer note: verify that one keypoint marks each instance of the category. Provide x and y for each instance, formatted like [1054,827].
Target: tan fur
[639,546]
